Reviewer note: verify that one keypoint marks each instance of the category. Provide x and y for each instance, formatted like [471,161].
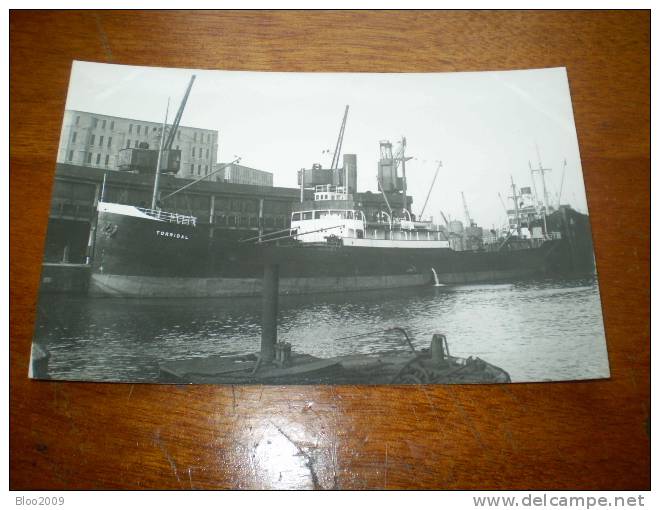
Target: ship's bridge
[329,192]
[315,226]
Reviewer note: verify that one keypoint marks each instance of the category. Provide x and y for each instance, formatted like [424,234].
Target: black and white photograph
[231,227]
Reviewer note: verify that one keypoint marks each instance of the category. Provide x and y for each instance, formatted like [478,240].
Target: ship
[534,213]
[335,241]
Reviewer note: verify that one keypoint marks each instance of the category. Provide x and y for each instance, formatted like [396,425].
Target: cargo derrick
[145,160]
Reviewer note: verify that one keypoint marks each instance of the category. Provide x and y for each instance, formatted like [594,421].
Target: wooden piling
[438,354]
[269,311]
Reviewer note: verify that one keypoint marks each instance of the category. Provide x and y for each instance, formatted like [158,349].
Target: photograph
[234,227]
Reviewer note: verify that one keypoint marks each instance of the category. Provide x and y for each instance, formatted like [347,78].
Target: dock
[65,277]
[380,368]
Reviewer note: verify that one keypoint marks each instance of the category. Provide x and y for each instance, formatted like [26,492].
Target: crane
[387,202]
[167,145]
[444,218]
[340,140]
[421,215]
[469,220]
[502,202]
[177,118]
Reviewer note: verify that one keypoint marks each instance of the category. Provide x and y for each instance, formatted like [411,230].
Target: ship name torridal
[171,234]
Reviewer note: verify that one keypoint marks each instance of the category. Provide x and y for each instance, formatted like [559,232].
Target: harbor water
[537,330]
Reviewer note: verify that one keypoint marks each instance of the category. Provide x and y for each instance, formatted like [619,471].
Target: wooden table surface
[587,435]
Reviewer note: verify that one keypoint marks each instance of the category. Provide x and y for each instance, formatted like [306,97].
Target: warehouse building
[239,174]
[94,140]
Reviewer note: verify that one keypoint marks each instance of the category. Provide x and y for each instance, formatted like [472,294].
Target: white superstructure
[329,220]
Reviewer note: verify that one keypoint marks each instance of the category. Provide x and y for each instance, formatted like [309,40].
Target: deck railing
[180,219]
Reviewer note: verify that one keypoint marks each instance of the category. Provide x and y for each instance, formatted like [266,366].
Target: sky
[485,127]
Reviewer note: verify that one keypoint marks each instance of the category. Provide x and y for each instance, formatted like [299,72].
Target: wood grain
[587,435]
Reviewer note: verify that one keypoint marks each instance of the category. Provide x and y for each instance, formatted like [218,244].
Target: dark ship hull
[140,256]
[575,253]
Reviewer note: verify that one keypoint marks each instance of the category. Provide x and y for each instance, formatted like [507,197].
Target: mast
[154,197]
[302,185]
[531,175]
[403,174]
[540,170]
[561,186]
[515,203]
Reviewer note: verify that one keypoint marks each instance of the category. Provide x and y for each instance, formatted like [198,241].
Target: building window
[136,143]
[138,129]
[107,159]
[128,143]
[73,138]
[103,124]
[130,128]
[77,119]
[98,159]
[192,169]
[91,139]
[207,154]
[70,155]
[199,169]
[100,140]
[95,122]
[195,136]
[153,129]
[193,152]
[206,169]
[109,141]
[89,157]
[112,124]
